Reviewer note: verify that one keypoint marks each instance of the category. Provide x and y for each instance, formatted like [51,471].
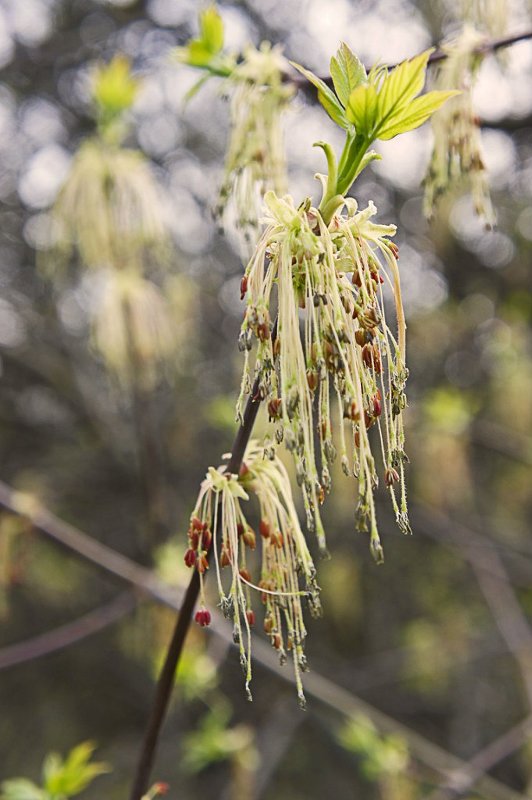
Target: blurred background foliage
[438,638]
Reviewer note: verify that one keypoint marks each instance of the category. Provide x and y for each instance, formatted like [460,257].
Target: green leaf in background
[211,30]
[114,89]
[71,776]
[21,789]
[347,73]
[326,96]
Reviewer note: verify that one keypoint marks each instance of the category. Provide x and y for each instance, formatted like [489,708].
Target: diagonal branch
[166,678]
[66,635]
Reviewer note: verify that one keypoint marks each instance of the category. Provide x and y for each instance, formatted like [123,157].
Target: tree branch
[166,678]
[71,633]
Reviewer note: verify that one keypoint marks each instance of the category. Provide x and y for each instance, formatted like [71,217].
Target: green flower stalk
[286,577]
[457,149]
[259,93]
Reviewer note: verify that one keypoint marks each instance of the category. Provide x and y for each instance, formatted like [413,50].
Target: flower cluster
[457,150]
[330,281]
[286,578]
[255,160]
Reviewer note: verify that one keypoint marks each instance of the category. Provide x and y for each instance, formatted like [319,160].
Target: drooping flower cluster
[457,150]
[110,217]
[330,281]
[287,575]
[255,160]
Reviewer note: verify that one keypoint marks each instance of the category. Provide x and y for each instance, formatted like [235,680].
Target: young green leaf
[415,114]
[326,96]
[347,73]
[211,30]
[362,110]
[401,85]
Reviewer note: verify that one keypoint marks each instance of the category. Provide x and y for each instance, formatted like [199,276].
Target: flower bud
[202,563]
[249,538]
[391,476]
[203,617]
[225,557]
[312,379]
[250,616]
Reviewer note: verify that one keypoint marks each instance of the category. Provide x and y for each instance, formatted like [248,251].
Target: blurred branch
[317,686]
[69,634]
[461,781]
[438,55]
[497,589]
[501,440]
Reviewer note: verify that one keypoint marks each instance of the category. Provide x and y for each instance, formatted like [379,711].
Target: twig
[462,780]
[438,55]
[69,634]
[175,648]
[317,686]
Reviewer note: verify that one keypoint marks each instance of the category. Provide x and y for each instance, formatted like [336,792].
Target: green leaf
[114,88]
[401,85]
[73,775]
[362,109]
[415,114]
[347,73]
[326,96]
[211,30]
[21,789]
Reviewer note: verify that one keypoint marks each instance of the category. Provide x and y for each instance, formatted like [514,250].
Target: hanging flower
[457,149]
[331,278]
[255,161]
[286,577]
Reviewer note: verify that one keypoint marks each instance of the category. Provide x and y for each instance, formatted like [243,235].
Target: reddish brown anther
[312,379]
[244,574]
[264,529]
[250,616]
[240,529]
[243,287]
[190,557]
[268,624]
[202,563]
[391,476]
[249,538]
[203,617]
[206,540]
[196,524]
[274,408]
[377,404]
[193,538]
[225,557]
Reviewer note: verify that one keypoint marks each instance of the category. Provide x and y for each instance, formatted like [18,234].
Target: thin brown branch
[462,781]
[437,56]
[66,635]
[317,686]
[166,678]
